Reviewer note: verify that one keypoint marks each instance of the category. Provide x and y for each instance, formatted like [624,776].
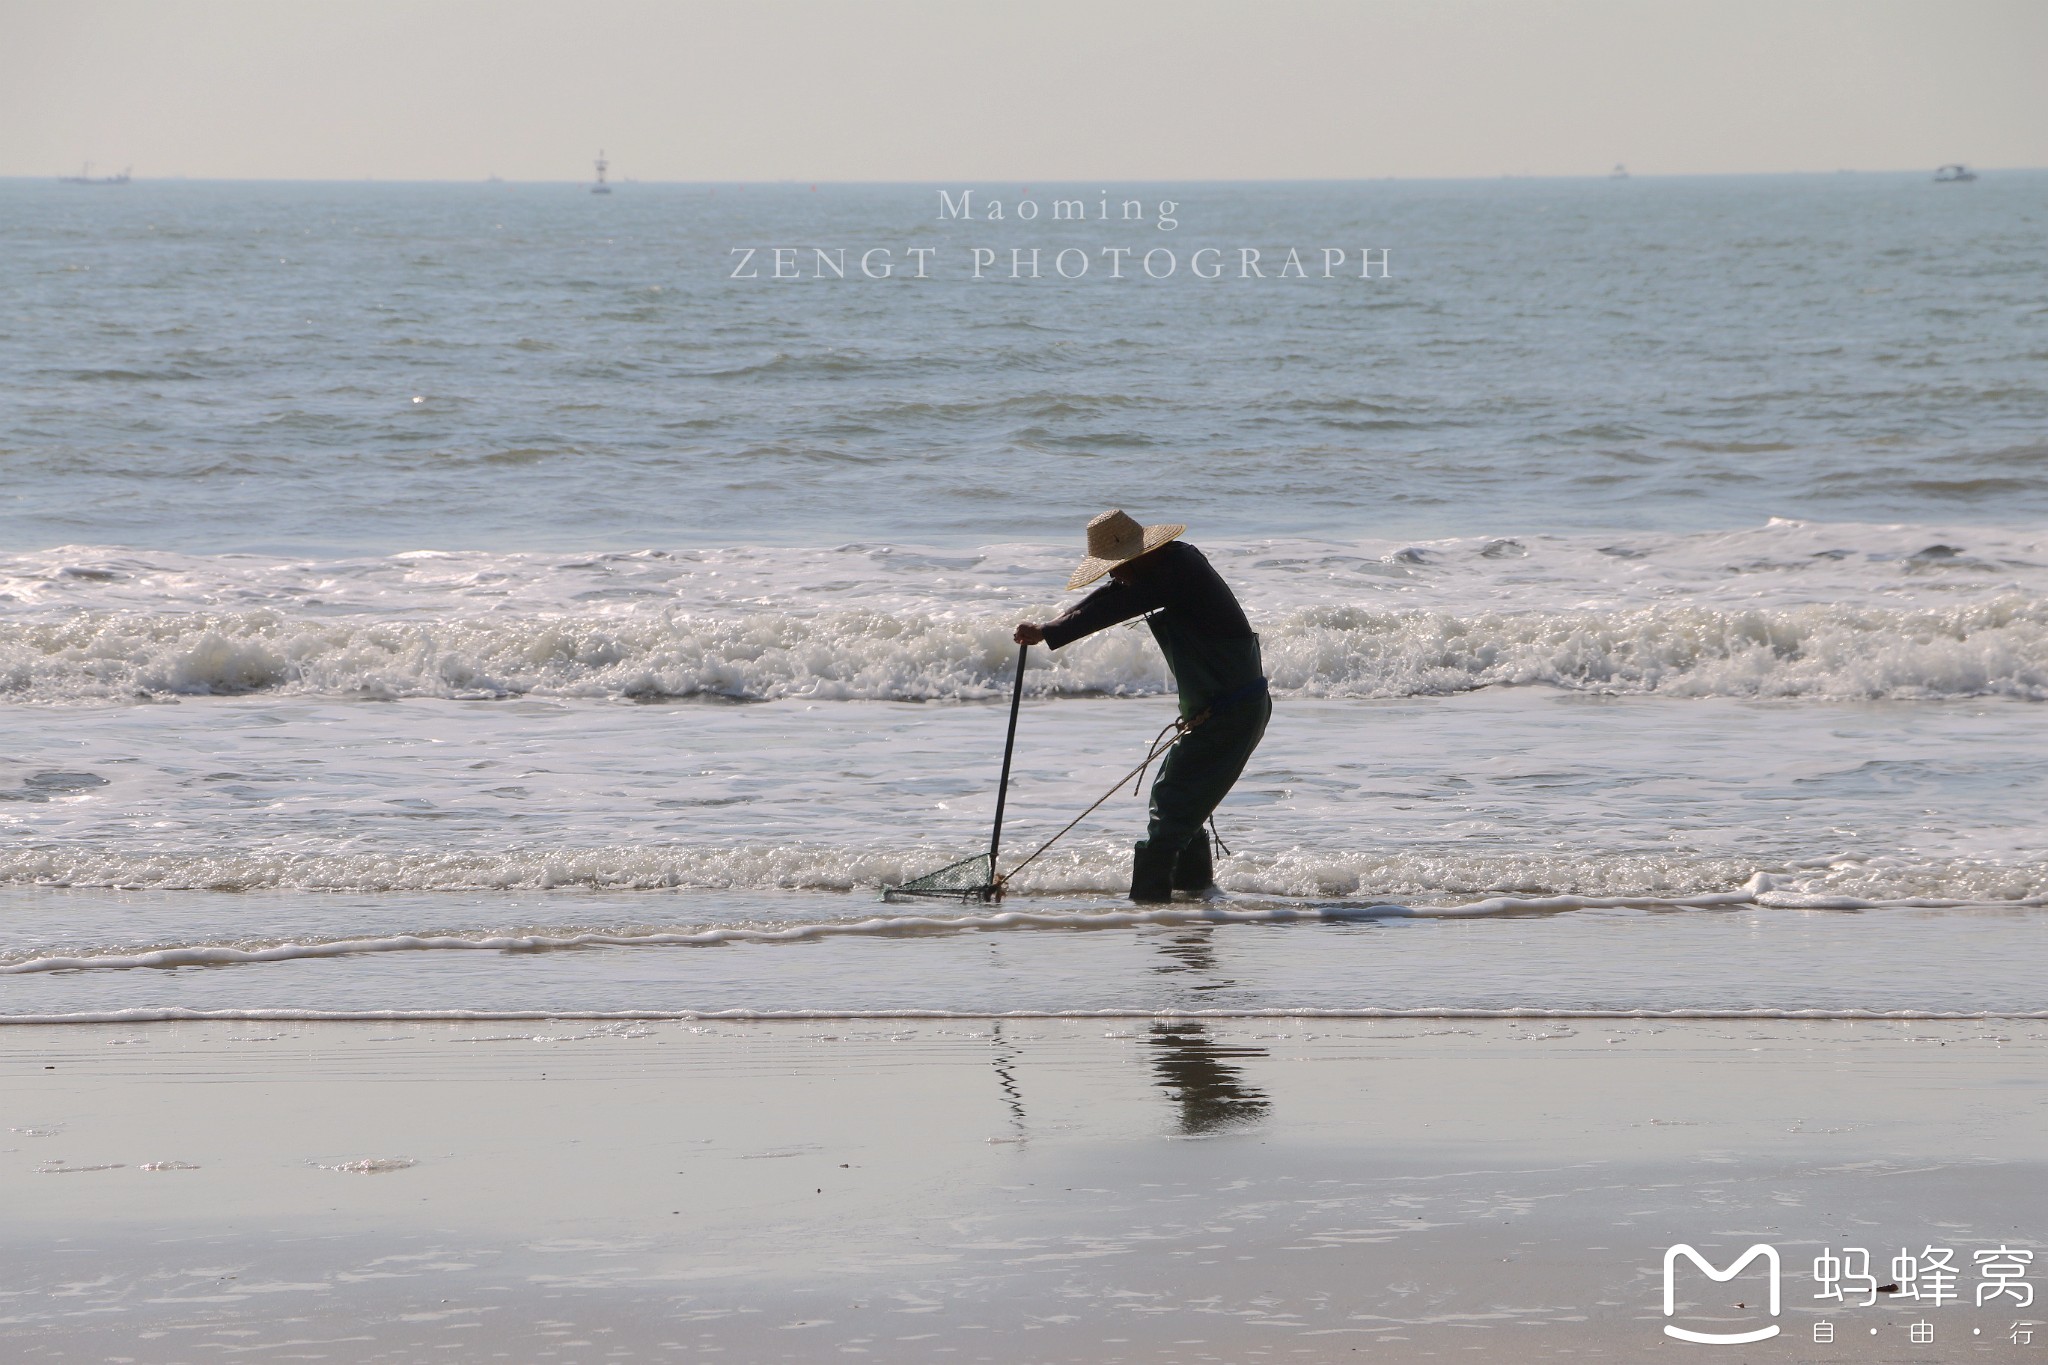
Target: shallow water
[1516,849]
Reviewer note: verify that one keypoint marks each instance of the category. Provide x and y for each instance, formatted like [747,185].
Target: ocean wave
[1994,647]
[901,925]
[1427,879]
[881,926]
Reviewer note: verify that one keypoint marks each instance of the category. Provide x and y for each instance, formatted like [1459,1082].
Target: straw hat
[1113,538]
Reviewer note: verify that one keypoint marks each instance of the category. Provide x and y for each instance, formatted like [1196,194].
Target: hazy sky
[1016,89]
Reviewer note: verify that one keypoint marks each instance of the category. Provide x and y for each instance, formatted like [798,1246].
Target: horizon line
[489,179]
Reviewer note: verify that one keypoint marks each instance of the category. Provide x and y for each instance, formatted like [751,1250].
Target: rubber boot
[1192,870]
[1151,875]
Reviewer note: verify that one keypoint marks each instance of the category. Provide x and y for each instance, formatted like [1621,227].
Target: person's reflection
[1005,1056]
[1212,1095]
[1187,1063]
[1192,951]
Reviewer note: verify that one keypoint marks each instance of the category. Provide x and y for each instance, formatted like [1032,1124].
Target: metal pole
[995,838]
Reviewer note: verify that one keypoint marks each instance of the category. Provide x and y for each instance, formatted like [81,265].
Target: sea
[472,601]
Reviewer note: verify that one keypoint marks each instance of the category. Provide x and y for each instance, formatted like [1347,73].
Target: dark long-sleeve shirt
[1200,627]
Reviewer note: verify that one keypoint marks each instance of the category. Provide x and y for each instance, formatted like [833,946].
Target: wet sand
[1015,1192]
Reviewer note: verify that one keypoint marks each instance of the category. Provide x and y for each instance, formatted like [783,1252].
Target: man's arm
[1106,606]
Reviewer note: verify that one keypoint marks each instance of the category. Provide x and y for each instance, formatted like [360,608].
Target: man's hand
[1029,634]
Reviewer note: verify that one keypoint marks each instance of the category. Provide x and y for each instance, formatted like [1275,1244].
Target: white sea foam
[59,1168]
[374,1165]
[1430,874]
[1789,609]
[1987,648]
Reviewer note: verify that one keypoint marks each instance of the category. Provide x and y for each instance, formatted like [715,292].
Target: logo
[1770,1255]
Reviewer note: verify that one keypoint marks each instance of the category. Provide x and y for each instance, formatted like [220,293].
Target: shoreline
[174,1015]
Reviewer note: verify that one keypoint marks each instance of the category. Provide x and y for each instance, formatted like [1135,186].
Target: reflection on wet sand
[1210,1094]
[1213,1095]
[1005,1057]
[1189,1065]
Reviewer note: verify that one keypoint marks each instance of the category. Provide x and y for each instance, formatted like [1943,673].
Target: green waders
[1223,678]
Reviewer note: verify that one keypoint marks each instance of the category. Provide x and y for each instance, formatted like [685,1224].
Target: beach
[1012,1190]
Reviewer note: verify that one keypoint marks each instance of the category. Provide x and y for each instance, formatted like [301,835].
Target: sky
[969,90]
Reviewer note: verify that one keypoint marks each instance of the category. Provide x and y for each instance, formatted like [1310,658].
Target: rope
[1182,726]
[1169,736]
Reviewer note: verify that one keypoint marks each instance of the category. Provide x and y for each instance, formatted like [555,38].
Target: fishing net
[970,879]
[973,879]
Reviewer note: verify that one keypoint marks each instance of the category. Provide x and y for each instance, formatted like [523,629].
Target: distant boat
[1954,174]
[1620,172]
[602,166]
[86,177]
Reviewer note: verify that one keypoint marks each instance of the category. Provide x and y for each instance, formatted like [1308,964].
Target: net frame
[970,879]
[974,879]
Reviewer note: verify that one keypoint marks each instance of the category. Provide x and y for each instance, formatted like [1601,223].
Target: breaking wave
[1995,647]
[1427,879]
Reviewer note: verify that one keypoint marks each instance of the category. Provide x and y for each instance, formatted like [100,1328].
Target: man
[1214,657]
